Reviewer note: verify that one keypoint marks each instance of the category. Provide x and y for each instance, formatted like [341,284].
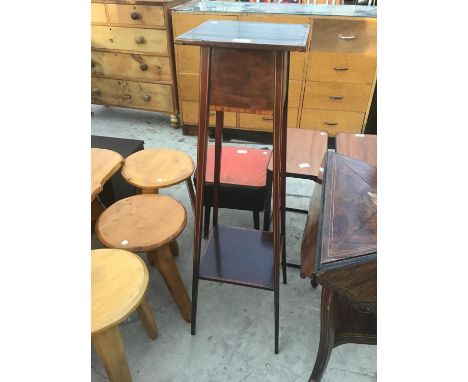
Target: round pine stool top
[104,164]
[157,168]
[118,284]
[141,222]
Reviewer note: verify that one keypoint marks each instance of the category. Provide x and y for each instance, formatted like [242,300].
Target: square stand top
[247,35]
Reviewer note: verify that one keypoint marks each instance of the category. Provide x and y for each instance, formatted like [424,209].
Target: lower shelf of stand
[239,256]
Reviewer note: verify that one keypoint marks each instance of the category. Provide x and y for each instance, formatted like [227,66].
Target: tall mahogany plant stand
[244,68]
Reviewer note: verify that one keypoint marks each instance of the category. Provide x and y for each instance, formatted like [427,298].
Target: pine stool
[119,280]
[149,223]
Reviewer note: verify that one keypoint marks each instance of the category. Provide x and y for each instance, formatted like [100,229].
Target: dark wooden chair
[243,183]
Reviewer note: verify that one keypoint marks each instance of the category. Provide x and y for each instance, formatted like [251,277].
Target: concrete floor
[235,327]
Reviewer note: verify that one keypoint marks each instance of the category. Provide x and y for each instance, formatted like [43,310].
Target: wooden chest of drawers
[330,86]
[132,56]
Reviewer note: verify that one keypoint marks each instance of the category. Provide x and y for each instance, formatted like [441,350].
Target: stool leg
[147,319]
[174,248]
[149,191]
[167,267]
[206,225]
[97,208]
[256,218]
[109,346]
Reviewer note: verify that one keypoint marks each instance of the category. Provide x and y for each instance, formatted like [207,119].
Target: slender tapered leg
[283,178]
[267,209]
[147,319]
[164,261]
[217,163]
[277,127]
[256,218]
[327,334]
[206,224]
[109,346]
[191,192]
[201,164]
[174,248]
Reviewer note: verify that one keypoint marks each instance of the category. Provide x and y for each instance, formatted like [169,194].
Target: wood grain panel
[336,96]
[141,95]
[189,87]
[136,67]
[190,115]
[151,40]
[294,93]
[143,15]
[265,122]
[345,36]
[183,22]
[332,121]
[349,68]
[98,13]
[188,59]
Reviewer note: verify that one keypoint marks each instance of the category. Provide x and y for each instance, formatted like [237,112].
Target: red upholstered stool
[242,182]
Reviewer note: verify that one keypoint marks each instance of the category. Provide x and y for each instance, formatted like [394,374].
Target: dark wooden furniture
[339,246]
[304,155]
[362,147]
[242,184]
[259,86]
[116,188]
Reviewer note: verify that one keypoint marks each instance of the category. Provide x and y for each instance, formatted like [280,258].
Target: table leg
[327,334]
[109,346]
[164,261]
[147,319]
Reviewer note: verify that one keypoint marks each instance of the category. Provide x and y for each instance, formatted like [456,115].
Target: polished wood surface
[239,256]
[141,222]
[247,35]
[305,152]
[104,164]
[361,147]
[157,168]
[119,280]
[339,249]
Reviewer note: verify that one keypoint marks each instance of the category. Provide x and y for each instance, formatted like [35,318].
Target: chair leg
[276,302]
[147,319]
[206,225]
[256,218]
[167,267]
[267,209]
[191,192]
[109,346]
[283,261]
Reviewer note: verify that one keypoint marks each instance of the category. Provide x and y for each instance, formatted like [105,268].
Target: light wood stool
[149,223]
[119,280]
[104,164]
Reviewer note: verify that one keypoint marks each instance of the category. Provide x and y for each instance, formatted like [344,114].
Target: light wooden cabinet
[132,55]
[331,85]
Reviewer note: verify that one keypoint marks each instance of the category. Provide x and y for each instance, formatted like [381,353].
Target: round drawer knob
[146,98]
[144,67]
[140,40]
[135,16]
[95,91]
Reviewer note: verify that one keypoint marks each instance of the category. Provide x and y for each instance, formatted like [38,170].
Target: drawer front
[98,13]
[348,68]
[136,67]
[190,115]
[335,96]
[133,39]
[136,15]
[265,122]
[294,93]
[155,97]
[189,87]
[345,36]
[332,121]
[183,22]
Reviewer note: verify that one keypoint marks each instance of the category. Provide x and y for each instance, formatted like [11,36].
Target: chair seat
[118,284]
